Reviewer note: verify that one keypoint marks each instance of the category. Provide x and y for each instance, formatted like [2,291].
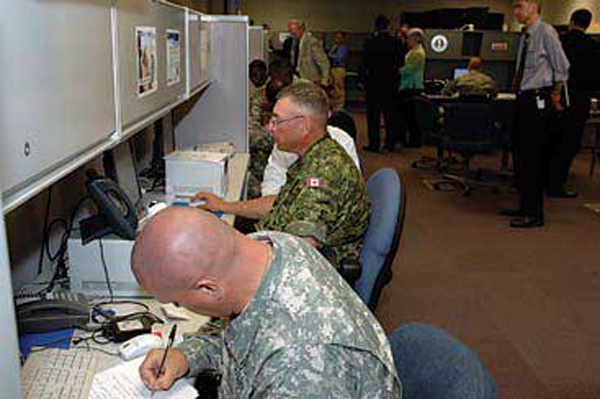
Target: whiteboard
[57,87]
[136,14]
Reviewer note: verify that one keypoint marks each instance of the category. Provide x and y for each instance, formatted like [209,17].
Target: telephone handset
[116,212]
[51,315]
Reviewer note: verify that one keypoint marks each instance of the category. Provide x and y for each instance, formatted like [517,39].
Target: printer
[188,172]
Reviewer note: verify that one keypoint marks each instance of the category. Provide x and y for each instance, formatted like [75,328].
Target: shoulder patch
[315,182]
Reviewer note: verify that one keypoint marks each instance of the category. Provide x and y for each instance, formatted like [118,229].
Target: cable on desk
[45,230]
[108,327]
[108,284]
[60,254]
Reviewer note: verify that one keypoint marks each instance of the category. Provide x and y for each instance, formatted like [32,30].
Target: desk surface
[183,327]
[444,98]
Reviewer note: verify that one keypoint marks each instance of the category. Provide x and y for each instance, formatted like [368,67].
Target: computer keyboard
[58,374]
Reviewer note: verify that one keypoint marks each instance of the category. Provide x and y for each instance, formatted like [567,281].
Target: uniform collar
[308,153]
[241,332]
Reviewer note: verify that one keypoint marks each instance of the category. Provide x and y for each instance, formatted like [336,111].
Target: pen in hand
[164,358]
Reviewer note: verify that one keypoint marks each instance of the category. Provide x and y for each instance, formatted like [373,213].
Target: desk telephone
[116,212]
[52,313]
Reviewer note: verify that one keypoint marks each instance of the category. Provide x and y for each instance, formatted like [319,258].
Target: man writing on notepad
[297,330]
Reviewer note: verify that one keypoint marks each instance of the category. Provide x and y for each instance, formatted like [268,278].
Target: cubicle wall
[9,349]
[450,49]
[56,92]
[80,77]
[152,60]
[256,43]
[221,113]
[196,67]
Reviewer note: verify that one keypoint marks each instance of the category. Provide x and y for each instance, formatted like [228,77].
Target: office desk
[183,327]
[440,98]
[504,109]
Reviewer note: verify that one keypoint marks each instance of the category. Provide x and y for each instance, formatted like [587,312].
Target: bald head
[188,256]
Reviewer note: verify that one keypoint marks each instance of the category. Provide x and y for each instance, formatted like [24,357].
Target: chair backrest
[469,121]
[388,205]
[432,364]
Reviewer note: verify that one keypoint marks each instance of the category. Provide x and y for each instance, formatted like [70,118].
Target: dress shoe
[371,149]
[511,212]
[562,194]
[527,222]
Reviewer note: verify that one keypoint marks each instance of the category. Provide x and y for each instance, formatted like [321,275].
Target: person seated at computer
[260,140]
[296,329]
[275,172]
[324,199]
[473,84]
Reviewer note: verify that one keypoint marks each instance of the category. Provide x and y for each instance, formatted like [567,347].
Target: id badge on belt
[540,102]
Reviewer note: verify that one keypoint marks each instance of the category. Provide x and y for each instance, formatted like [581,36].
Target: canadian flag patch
[314,182]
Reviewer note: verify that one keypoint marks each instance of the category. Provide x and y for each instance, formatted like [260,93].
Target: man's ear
[209,289]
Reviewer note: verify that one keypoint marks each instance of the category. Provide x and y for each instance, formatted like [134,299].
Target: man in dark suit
[381,62]
[584,56]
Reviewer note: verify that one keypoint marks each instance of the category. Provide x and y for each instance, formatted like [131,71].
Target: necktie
[521,68]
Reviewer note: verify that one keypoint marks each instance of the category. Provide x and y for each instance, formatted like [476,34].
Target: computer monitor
[458,72]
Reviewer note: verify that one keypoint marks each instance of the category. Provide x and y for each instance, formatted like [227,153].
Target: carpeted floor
[527,301]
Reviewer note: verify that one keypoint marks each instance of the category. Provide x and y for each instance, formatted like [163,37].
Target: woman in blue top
[411,84]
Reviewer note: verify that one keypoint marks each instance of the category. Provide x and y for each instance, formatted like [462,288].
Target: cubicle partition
[257,43]
[57,97]
[9,350]
[450,49]
[152,61]
[221,113]
[197,73]
[81,77]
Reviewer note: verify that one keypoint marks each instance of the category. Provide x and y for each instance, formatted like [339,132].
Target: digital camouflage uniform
[324,197]
[474,83]
[261,142]
[304,335]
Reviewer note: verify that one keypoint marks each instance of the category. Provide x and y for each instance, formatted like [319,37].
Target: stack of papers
[124,382]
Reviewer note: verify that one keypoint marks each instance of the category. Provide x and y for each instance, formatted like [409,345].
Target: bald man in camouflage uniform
[475,83]
[324,199]
[298,330]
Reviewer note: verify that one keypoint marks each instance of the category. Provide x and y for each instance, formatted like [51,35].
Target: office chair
[432,364]
[388,207]
[468,129]
[428,118]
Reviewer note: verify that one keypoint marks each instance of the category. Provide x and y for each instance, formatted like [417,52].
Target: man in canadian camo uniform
[324,199]
[297,330]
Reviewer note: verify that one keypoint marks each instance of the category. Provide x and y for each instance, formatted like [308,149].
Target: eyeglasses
[274,122]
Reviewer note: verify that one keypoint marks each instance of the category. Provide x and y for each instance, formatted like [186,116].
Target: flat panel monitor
[458,72]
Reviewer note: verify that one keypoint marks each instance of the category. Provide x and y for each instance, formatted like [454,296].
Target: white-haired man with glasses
[324,199]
